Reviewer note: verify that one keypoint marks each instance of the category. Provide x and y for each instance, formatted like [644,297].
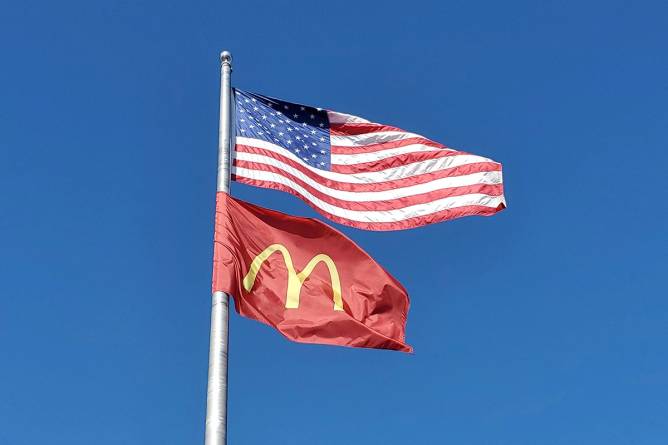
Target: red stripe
[410,223]
[345,150]
[389,204]
[393,161]
[354,129]
[462,170]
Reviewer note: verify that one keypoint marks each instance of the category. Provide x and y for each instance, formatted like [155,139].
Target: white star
[312,131]
[255,108]
[322,163]
[281,133]
[289,129]
[303,124]
[313,116]
[272,125]
[254,100]
[314,156]
[289,142]
[297,150]
[306,159]
[306,147]
[322,139]
[247,100]
[322,151]
[314,144]
[243,131]
[242,120]
[285,106]
[251,126]
[322,125]
[264,116]
[295,115]
[260,133]
[298,137]
[302,108]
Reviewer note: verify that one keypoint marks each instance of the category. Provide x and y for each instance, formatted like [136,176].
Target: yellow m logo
[295,280]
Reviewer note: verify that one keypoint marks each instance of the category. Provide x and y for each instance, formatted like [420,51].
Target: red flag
[306,279]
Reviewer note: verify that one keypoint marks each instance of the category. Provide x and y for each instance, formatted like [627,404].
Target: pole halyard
[216,399]
[224,128]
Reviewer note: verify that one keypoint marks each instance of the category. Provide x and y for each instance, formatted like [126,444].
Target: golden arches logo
[295,280]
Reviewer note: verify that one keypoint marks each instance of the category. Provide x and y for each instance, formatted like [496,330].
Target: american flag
[355,172]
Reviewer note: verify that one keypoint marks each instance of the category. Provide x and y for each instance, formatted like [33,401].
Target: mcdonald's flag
[306,279]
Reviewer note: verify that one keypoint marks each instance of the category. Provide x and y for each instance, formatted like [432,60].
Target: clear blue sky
[546,324]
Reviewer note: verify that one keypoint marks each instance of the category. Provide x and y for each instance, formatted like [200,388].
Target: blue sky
[546,324]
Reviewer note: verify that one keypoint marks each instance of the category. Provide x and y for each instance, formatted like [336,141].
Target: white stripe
[360,158]
[390,174]
[377,137]
[380,216]
[489,178]
[343,118]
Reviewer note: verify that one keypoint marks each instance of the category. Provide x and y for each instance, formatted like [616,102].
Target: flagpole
[216,397]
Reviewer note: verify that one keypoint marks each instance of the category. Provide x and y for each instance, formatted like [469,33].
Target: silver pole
[216,397]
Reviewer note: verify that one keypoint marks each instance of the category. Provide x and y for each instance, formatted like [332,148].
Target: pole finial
[226,57]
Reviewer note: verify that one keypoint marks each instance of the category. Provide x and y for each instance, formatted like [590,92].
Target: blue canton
[301,129]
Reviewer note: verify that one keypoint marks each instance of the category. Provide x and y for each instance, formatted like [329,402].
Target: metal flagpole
[216,397]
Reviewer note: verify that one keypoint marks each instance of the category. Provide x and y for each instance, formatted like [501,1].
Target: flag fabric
[359,173]
[305,279]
